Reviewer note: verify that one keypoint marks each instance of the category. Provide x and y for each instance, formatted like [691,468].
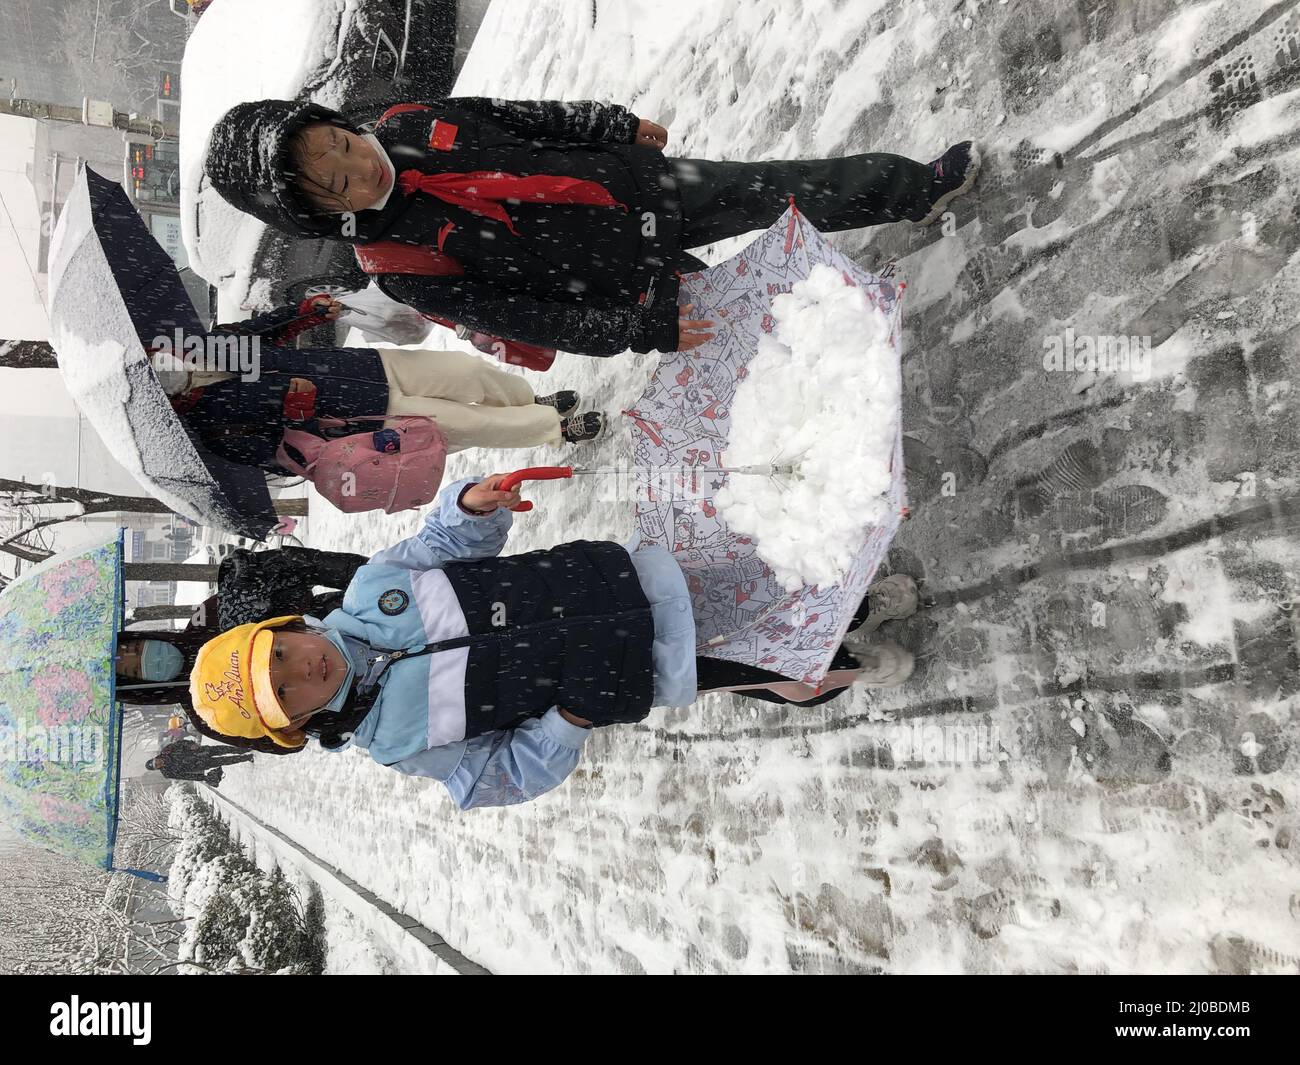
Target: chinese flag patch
[443,136]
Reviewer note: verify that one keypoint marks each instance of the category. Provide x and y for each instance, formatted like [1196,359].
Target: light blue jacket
[508,766]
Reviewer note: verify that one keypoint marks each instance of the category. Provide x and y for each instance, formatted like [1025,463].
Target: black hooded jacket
[594,280]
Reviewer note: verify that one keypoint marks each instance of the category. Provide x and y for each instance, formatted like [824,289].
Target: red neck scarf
[483,190]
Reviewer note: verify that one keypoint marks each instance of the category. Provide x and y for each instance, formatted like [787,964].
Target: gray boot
[884,664]
[890,599]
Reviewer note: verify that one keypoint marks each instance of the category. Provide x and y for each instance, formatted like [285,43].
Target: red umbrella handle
[533,473]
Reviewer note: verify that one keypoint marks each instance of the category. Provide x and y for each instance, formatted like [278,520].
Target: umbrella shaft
[147,687]
[759,471]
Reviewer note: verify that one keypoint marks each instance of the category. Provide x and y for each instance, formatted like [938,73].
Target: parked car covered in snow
[346,54]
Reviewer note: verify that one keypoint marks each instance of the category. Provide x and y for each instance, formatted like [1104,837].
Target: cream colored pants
[474,403]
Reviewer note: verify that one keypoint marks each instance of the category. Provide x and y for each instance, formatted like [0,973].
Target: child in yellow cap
[448,661]
[486,674]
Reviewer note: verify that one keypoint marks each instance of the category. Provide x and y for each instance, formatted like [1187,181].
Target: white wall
[21,312]
[38,426]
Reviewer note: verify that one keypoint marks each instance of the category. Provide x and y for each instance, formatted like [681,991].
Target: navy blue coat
[244,420]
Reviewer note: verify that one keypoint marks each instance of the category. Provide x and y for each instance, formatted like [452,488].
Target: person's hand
[581,722]
[651,134]
[692,332]
[331,307]
[486,497]
[301,384]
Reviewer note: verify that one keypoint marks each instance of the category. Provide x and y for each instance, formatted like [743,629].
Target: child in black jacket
[243,418]
[561,224]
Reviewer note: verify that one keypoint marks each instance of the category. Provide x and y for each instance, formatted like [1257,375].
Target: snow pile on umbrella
[823,396]
[112,290]
[107,371]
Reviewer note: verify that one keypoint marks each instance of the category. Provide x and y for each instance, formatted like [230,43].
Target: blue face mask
[341,696]
[160,661]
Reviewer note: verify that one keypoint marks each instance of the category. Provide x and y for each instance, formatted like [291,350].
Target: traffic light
[141,158]
[169,85]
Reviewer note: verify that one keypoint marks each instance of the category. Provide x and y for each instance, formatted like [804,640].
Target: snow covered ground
[1093,768]
[360,940]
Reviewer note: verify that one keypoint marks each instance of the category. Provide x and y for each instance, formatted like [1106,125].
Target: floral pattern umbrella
[60,726]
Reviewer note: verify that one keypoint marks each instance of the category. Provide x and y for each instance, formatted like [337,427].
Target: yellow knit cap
[230,685]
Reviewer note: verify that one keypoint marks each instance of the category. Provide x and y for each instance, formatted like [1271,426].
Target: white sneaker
[884,664]
[890,599]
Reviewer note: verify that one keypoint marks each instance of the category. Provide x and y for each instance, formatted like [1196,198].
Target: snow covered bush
[244,918]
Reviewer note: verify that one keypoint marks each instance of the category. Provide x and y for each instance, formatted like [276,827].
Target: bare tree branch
[27,355]
[169,571]
[26,556]
[31,529]
[163,612]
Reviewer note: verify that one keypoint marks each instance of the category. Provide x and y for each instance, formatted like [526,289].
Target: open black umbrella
[113,290]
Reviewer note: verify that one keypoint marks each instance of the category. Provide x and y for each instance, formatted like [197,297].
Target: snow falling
[1093,768]
[1047,793]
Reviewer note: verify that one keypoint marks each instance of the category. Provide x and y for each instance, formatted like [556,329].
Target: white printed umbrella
[682,421]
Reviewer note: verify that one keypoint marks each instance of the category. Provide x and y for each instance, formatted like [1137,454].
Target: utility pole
[92,113]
